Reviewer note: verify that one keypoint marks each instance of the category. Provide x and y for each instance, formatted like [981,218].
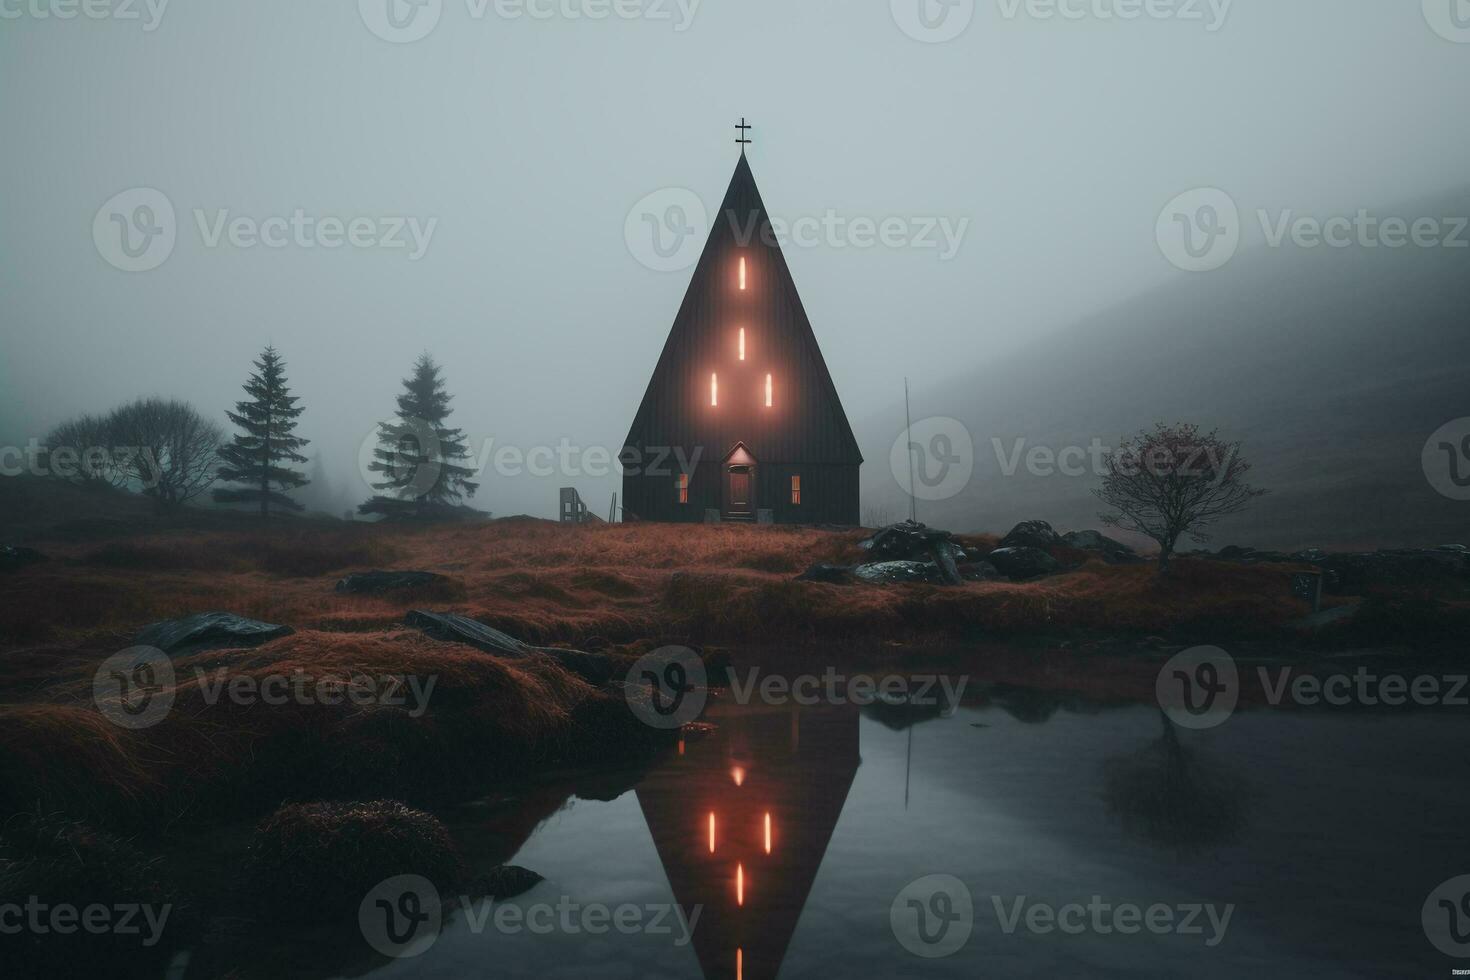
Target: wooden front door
[739,489]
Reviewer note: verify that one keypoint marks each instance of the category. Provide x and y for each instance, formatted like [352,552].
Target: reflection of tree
[1168,794]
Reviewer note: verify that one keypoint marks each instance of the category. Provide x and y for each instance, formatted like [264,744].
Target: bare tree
[1173,481]
[172,448]
[84,451]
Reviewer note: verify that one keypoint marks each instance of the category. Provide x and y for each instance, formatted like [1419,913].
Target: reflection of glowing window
[737,773]
[742,272]
[742,343]
[714,390]
[739,884]
[796,489]
[683,488]
[768,391]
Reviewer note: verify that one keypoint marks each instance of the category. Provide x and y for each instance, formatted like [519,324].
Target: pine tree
[257,455]
[417,454]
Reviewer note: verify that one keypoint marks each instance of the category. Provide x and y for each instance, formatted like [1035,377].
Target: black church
[741,418]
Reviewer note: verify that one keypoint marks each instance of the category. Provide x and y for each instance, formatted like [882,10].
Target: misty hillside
[1333,366]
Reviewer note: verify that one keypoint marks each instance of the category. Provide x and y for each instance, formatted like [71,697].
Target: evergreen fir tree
[258,457]
[419,456]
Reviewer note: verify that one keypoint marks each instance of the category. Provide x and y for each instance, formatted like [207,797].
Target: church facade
[741,420]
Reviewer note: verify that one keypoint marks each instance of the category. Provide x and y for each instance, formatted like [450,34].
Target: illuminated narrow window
[768,832]
[683,488]
[739,963]
[712,831]
[742,343]
[796,489]
[742,272]
[739,884]
[714,389]
[768,391]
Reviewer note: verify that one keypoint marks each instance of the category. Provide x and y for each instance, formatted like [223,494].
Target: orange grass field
[568,584]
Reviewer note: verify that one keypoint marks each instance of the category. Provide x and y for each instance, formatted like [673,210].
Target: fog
[512,150]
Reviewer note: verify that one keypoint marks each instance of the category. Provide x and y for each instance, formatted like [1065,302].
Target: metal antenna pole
[908,434]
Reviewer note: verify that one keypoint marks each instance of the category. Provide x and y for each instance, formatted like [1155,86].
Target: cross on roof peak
[741,138]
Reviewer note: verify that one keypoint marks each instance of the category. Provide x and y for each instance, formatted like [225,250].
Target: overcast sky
[520,146]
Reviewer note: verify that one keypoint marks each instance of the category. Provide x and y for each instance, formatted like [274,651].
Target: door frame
[739,456]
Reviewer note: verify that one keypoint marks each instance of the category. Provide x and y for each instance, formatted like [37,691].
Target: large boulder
[979,571]
[1023,564]
[596,668]
[907,541]
[883,572]
[1031,534]
[1113,552]
[209,630]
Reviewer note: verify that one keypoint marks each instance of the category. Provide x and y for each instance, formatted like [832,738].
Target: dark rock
[1309,555]
[1234,552]
[907,541]
[979,571]
[900,571]
[13,557]
[823,572]
[1458,548]
[375,582]
[1113,552]
[1031,534]
[596,668]
[1353,574]
[208,630]
[507,881]
[1023,564]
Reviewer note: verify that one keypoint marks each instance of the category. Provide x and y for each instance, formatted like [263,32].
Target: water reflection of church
[741,821]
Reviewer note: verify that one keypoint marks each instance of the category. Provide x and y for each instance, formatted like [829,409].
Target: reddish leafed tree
[1173,481]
